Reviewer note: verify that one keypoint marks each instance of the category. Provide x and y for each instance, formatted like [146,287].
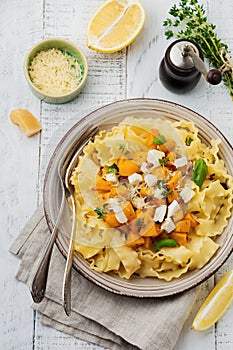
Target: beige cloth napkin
[109,320]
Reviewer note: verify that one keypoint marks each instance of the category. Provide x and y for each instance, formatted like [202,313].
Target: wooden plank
[19,158]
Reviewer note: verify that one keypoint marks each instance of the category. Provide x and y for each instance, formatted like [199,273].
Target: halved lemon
[215,304]
[115,25]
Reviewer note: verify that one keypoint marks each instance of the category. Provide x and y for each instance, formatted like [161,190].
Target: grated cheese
[55,72]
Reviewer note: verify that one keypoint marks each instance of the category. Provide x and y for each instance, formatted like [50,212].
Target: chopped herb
[122,148]
[188,141]
[161,184]
[200,171]
[190,22]
[163,161]
[81,68]
[100,212]
[165,242]
[167,192]
[113,169]
[170,193]
[140,223]
[159,140]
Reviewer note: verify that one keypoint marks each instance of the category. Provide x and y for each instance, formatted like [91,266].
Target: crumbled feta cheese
[113,200]
[153,157]
[187,194]
[173,208]
[168,225]
[150,180]
[158,193]
[160,213]
[121,217]
[114,205]
[138,202]
[111,177]
[134,179]
[179,162]
[116,209]
[144,168]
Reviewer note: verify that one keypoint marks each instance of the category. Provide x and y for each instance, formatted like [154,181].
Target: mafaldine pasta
[150,199]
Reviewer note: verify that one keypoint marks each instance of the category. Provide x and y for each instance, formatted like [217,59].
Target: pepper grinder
[182,66]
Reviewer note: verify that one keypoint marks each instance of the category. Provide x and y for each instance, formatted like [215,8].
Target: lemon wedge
[115,24]
[215,304]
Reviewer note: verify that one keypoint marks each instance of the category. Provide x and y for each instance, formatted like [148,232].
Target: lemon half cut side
[115,24]
[215,304]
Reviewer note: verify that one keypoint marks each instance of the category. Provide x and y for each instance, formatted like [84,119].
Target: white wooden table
[130,73]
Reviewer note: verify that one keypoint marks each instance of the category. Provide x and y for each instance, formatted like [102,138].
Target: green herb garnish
[140,223]
[200,171]
[163,161]
[188,141]
[190,22]
[113,169]
[160,140]
[162,185]
[122,147]
[165,242]
[81,68]
[100,212]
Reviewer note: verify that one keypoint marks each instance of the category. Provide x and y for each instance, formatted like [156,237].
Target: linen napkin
[104,318]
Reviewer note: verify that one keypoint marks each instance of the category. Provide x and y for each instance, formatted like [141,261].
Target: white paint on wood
[133,72]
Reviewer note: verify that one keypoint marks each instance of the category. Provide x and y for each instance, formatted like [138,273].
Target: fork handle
[67,284]
[39,279]
[67,274]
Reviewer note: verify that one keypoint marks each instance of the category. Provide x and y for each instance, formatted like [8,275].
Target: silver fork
[39,280]
[66,290]
[66,295]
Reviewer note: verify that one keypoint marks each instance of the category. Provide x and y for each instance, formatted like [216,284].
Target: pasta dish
[150,199]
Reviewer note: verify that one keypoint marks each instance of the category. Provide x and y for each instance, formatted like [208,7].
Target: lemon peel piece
[215,304]
[26,121]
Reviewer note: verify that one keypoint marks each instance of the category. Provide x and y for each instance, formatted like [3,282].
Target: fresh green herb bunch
[191,23]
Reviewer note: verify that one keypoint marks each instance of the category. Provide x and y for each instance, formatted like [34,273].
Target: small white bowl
[60,44]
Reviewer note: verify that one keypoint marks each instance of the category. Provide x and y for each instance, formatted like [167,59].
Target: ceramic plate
[112,114]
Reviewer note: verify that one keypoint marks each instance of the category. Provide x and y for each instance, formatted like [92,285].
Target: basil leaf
[200,171]
[165,242]
[159,140]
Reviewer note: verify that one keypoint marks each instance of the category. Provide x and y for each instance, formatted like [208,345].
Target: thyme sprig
[190,22]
